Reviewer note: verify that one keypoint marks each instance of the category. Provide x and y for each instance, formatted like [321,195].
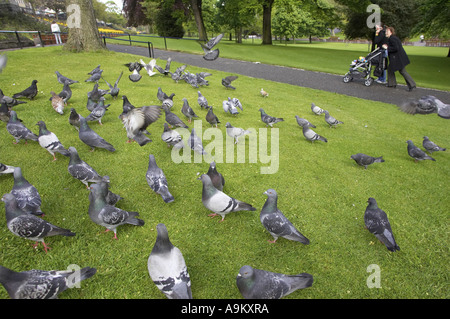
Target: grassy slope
[320,189]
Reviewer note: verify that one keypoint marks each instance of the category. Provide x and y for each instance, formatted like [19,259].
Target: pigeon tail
[167,197]
[132,220]
[246,206]
[301,281]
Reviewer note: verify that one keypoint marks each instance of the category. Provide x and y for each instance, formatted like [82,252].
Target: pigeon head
[8,198]
[212,166]
[162,243]
[261,110]
[246,272]
[372,202]
[270,192]
[228,124]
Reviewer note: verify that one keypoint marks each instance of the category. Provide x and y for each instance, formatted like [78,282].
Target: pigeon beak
[265,193]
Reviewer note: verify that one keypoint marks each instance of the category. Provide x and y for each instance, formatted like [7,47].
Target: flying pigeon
[261,284]
[316,110]
[97,113]
[107,215]
[166,70]
[6,169]
[114,90]
[276,223]
[91,138]
[229,107]
[178,75]
[133,66]
[95,70]
[202,101]
[226,82]
[26,195]
[195,143]
[218,202]
[49,141]
[216,178]
[95,77]
[269,120]
[170,137]
[236,132]
[81,170]
[312,136]
[58,103]
[427,105]
[18,130]
[303,122]
[10,102]
[135,76]
[331,120]
[431,146]
[263,93]
[29,92]
[149,67]
[211,118]
[74,119]
[28,226]
[416,153]
[209,53]
[365,160]
[188,111]
[377,223]
[3,61]
[157,180]
[167,267]
[62,79]
[41,284]
[173,119]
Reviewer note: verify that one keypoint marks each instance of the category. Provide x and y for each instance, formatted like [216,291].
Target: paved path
[308,79]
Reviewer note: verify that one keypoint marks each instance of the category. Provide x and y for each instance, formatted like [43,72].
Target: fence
[151,53]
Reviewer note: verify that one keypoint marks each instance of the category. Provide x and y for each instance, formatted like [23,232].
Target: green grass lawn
[321,190]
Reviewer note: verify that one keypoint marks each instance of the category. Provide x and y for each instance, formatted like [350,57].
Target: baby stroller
[362,67]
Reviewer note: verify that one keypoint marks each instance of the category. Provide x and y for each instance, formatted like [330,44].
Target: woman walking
[398,60]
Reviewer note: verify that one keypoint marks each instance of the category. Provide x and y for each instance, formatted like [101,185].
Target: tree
[83,31]
[196,7]
[237,14]
[267,21]
[135,13]
[169,21]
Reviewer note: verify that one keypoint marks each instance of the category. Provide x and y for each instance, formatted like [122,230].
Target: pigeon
[62,79]
[211,118]
[195,143]
[229,107]
[3,61]
[170,137]
[431,146]
[96,94]
[95,77]
[191,79]
[209,53]
[202,101]
[416,153]
[81,170]
[427,105]
[226,82]
[107,215]
[216,178]
[132,66]
[261,284]
[95,70]
[166,70]
[235,132]
[97,113]
[126,106]
[29,93]
[91,138]
[173,119]
[236,103]
[303,122]
[49,141]
[178,75]
[41,284]
[312,136]
[114,90]
[28,226]
[26,195]
[110,197]
[66,92]
[331,120]
[201,81]
[135,76]
[91,104]
[269,120]
[365,160]
[10,102]
[167,267]
[162,96]
[6,169]
[188,111]
[276,223]
[263,93]
[58,103]
[74,119]
[316,110]
[157,180]
[149,67]
[18,130]
[5,113]
[377,223]
[218,202]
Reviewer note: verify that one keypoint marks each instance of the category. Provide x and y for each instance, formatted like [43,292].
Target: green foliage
[168,21]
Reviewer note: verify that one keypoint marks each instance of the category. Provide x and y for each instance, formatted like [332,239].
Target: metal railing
[151,53]
[19,42]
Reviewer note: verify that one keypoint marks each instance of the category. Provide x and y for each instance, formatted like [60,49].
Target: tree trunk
[238,32]
[197,10]
[448,54]
[83,31]
[267,22]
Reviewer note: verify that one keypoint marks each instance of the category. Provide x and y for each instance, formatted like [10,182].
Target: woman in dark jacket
[398,60]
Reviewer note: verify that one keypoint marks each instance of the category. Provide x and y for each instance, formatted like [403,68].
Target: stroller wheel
[368,82]
[347,78]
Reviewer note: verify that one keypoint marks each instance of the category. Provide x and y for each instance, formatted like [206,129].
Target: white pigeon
[229,106]
[236,132]
[170,137]
[316,110]
[49,141]
[149,67]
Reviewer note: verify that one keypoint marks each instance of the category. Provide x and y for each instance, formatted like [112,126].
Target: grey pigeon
[107,215]
[27,196]
[6,169]
[303,122]
[95,70]
[316,109]
[331,120]
[191,79]
[173,119]
[58,103]
[66,92]
[212,118]
[97,113]
[134,66]
[167,267]
[276,223]
[10,102]
[427,105]
[416,153]
[4,112]
[91,104]
[62,79]
[166,70]
[236,132]
[135,76]
[430,146]
[95,77]
[162,96]
[29,93]
[312,136]
[3,61]
[28,226]
[96,94]
[218,202]
[269,120]
[226,82]
[110,197]
[81,170]
[209,53]
[149,67]
[377,223]
[261,284]
[216,178]
[49,141]
[126,105]
[91,138]
[157,180]
[18,130]
[202,101]
[366,160]
[229,107]
[195,143]
[170,137]
[74,119]
[188,111]
[201,81]
[114,89]
[41,284]
[236,103]
[178,74]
